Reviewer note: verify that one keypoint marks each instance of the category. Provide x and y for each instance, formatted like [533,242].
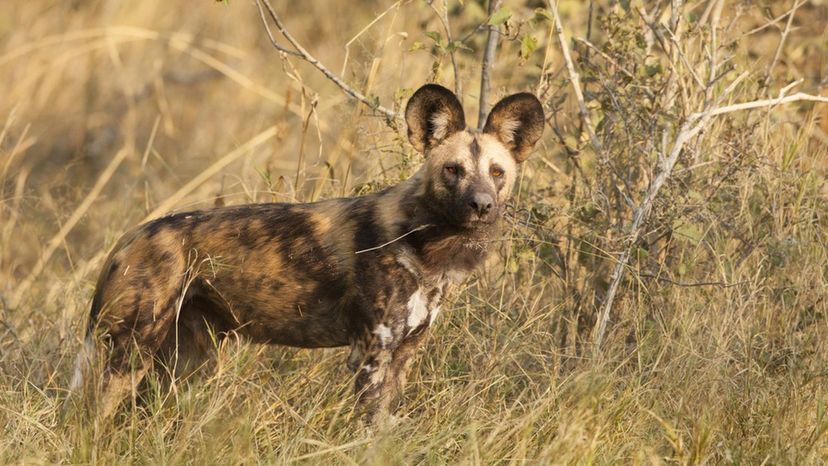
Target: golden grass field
[716,349]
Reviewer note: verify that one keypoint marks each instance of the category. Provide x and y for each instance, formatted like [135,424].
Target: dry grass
[717,346]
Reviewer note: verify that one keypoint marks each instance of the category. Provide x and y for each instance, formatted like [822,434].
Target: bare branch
[361,32]
[670,281]
[711,4]
[717,6]
[694,124]
[770,23]
[488,61]
[390,114]
[676,7]
[673,82]
[270,34]
[799,96]
[575,79]
[458,86]
[769,73]
[606,57]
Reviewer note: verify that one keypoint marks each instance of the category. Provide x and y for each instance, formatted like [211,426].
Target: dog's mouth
[479,223]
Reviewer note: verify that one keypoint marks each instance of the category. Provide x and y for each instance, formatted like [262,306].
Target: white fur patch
[508,129]
[417,309]
[433,314]
[456,276]
[439,122]
[384,334]
[377,377]
[409,263]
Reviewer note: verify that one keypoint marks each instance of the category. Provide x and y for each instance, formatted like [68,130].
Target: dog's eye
[496,172]
[451,169]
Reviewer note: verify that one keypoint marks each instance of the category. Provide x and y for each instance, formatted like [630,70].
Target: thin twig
[488,61]
[673,82]
[361,32]
[606,57]
[415,230]
[717,6]
[475,30]
[769,73]
[676,7]
[586,57]
[766,25]
[575,79]
[711,4]
[675,39]
[649,34]
[270,34]
[714,10]
[390,114]
[720,284]
[458,86]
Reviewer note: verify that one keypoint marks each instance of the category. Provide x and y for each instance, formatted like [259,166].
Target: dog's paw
[392,422]
[383,424]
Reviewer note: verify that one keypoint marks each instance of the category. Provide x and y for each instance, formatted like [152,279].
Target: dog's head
[469,175]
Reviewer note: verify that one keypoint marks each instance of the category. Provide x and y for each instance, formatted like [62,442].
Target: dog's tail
[83,362]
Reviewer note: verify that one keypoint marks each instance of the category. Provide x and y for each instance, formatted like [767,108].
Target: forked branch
[305,55]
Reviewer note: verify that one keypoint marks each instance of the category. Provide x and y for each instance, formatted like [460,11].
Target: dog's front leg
[386,358]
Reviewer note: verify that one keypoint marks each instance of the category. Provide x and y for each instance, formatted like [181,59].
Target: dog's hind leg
[137,298]
[135,328]
[192,343]
[117,387]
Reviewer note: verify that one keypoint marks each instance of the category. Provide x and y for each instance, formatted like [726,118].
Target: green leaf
[374,101]
[527,45]
[500,16]
[689,232]
[526,255]
[543,13]
[652,70]
[417,45]
[436,37]
[641,254]
[457,45]
[696,196]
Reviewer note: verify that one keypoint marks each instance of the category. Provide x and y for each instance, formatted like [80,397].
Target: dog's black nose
[481,203]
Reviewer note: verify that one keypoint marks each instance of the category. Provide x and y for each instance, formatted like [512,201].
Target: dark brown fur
[312,275]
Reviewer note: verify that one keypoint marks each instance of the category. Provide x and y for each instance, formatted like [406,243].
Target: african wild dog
[366,271]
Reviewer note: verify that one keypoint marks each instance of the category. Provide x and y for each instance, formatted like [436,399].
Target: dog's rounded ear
[517,121]
[432,114]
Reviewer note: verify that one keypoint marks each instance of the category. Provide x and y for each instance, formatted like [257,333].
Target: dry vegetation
[716,344]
